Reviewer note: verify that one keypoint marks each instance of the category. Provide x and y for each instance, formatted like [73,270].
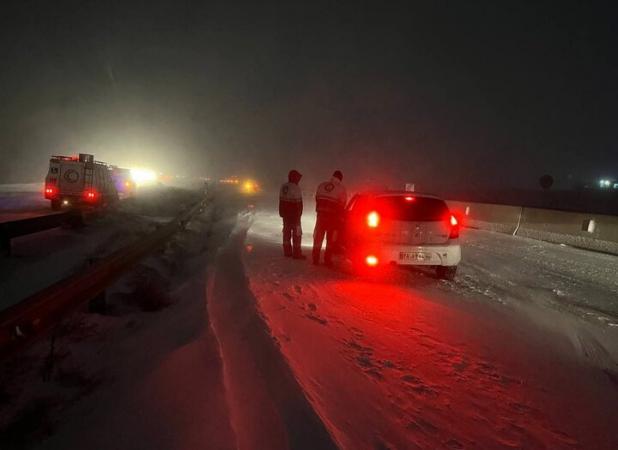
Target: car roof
[384,193]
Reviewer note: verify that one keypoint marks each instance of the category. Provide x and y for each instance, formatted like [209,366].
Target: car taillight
[90,195]
[454,224]
[373,219]
[371,260]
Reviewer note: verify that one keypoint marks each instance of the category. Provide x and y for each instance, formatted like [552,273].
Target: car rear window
[418,209]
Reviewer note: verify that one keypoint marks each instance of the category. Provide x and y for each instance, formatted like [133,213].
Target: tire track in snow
[268,407]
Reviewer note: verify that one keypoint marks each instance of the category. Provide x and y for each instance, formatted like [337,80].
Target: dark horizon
[440,94]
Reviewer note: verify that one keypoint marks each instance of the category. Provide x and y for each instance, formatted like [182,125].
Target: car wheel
[446,272]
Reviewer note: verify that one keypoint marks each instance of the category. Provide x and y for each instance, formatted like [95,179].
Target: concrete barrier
[486,216]
[590,231]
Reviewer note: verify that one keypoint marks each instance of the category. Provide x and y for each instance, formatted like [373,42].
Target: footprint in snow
[316,319]
[454,444]
[365,361]
[298,289]
[357,332]
[411,379]
[421,424]
[312,306]
[356,346]
[375,373]
[290,297]
[519,407]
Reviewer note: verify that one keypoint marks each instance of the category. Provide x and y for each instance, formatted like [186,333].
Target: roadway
[519,351]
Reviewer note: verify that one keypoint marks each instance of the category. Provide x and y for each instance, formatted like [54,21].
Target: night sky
[486,93]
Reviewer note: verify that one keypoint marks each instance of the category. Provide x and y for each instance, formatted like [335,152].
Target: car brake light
[454,223]
[371,261]
[373,219]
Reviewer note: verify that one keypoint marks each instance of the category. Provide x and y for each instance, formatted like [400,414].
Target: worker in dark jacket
[330,199]
[291,210]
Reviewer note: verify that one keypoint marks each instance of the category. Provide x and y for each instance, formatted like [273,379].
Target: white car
[402,228]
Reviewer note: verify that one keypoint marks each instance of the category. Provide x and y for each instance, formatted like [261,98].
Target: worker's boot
[316,257]
[298,254]
[328,257]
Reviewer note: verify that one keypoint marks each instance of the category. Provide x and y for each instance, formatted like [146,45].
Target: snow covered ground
[147,374]
[220,342]
[500,358]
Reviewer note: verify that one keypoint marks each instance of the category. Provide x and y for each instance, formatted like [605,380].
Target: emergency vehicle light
[90,195]
[50,191]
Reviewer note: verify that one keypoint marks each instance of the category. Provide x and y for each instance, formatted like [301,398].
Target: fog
[439,95]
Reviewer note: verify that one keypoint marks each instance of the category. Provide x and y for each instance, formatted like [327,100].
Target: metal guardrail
[22,227]
[24,322]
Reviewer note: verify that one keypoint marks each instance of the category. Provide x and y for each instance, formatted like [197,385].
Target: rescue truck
[79,181]
[125,186]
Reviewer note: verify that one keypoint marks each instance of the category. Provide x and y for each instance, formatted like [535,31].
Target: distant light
[65,202]
[409,199]
[249,187]
[143,176]
[605,183]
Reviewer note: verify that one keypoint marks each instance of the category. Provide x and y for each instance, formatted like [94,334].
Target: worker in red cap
[291,210]
[330,198]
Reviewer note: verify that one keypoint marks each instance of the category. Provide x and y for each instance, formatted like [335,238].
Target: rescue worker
[330,198]
[291,210]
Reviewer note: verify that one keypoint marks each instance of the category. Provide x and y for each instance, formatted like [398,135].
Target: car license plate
[414,256]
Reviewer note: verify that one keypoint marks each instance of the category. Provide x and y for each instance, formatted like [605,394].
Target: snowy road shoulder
[268,408]
[146,374]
